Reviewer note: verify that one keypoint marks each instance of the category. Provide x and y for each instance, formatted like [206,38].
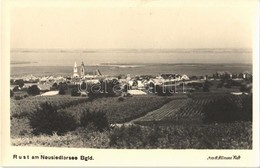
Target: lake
[134,62]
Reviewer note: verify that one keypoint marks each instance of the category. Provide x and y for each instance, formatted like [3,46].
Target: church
[83,75]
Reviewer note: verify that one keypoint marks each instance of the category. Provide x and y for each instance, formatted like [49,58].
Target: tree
[33,90]
[62,91]
[19,82]
[11,93]
[46,120]
[247,108]
[206,86]
[62,88]
[245,88]
[97,120]
[222,110]
[54,86]
[83,86]
[193,78]
[75,92]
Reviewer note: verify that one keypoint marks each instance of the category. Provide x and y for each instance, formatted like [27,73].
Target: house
[185,77]
[223,74]
[44,87]
[246,75]
[170,77]
[27,85]
[15,88]
[140,84]
[155,81]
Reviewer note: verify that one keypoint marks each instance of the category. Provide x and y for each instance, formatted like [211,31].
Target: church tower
[82,70]
[75,70]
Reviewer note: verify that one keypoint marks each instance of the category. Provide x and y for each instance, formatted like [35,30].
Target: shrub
[54,86]
[228,110]
[33,90]
[62,91]
[120,99]
[135,136]
[206,86]
[11,93]
[75,92]
[47,120]
[62,88]
[19,82]
[18,97]
[96,121]
[245,88]
[247,108]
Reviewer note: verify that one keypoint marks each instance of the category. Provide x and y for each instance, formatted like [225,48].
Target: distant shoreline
[147,69]
[21,62]
[140,64]
[142,50]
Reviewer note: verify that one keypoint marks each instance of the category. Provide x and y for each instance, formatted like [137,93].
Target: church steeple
[82,70]
[75,70]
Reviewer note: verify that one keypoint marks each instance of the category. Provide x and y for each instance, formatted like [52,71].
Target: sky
[151,24]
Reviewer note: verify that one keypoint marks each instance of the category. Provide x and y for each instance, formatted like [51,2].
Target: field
[171,122]
[117,111]
[187,110]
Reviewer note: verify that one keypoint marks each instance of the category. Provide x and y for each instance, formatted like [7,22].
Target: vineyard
[187,110]
[172,122]
[118,110]
[21,108]
[168,110]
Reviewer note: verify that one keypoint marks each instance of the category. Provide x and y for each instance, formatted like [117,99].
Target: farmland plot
[169,110]
[186,110]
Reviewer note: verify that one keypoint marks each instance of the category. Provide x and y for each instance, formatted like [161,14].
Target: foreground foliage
[83,123]
[212,136]
[236,135]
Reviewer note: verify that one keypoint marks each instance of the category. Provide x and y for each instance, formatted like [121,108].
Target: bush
[48,120]
[135,136]
[206,86]
[228,110]
[62,91]
[19,82]
[54,86]
[247,108]
[11,93]
[33,90]
[18,97]
[75,92]
[96,121]
[120,99]
[62,88]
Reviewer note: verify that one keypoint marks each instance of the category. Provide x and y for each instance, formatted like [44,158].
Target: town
[123,85]
[95,110]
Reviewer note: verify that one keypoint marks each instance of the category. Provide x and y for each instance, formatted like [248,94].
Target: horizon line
[145,48]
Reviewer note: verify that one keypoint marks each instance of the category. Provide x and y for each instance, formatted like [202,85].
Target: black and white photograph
[142,75]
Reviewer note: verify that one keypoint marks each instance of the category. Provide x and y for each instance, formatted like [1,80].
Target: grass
[76,139]
[236,135]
